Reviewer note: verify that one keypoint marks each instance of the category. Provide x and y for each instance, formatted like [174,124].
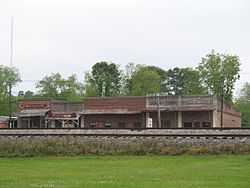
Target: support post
[82,121]
[147,116]
[215,118]
[179,119]
[158,112]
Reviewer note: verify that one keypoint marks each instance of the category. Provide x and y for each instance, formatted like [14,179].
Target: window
[58,124]
[93,125]
[137,124]
[166,124]
[206,124]
[197,125]
[108,125]
[121,125]
[187,124]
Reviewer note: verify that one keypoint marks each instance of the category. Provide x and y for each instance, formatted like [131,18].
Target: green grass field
[180,171]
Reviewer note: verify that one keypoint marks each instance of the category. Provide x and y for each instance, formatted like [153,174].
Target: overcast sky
[70,36]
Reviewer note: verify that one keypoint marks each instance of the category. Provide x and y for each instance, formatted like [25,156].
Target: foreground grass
[181,171]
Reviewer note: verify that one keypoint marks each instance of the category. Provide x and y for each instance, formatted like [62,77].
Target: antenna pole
[11,43]
[10,81]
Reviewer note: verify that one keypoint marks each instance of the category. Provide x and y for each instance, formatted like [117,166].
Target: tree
[7,75]
[54,86]
[145,81]
[126,80]
[29,94]
[183,81]
[104,80]
[162,73]
[219,73]
[242,103]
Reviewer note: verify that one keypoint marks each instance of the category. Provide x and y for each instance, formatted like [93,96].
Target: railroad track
[167,133]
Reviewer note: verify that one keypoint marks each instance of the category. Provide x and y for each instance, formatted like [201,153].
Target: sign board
[73,115]
[157,94]
[150,123]
[35,106]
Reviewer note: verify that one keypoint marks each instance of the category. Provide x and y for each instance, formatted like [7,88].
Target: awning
[111,111]
[32,112]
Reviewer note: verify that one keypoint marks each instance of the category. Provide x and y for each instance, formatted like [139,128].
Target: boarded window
[93,125]
[206,124]
[166,123]
[121,125]
[137,124]
[197,125]
[187,125]
[108,124]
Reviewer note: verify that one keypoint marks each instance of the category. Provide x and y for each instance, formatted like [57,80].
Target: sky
[70,36]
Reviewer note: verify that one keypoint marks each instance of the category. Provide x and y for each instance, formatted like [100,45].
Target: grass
[144,171]
[77,146]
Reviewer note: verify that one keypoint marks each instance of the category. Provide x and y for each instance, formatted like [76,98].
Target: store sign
[35,106]
[157,95]
[73,115]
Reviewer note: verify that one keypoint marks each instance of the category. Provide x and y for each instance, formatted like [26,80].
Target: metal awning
[110,111]
[32,112]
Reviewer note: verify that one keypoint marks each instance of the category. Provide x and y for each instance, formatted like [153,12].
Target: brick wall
[101,119]
[67,106]
[129,103]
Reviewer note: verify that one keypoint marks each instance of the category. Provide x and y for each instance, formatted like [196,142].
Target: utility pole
[222,101]
[158,112]
[11,63]
[11,43]
[10,93]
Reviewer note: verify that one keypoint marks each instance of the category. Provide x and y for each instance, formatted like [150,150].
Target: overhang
[110,111]
[32,112]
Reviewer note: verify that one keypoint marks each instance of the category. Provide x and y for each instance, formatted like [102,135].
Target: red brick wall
[129,103]
[101,119]
[3,124]
[229,120]
[197,116]
[193,116]
[231,116]
[171,116]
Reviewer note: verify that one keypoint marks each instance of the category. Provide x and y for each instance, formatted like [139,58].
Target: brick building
[199,111]
[158,111]
[115,112]
[153,111]
[48,113]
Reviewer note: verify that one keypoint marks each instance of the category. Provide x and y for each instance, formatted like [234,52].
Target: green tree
[130,69]
[54,86]
[219,73]
[145,81]
[162,73]
[104,80]
[26,95]
[7,75]
[183,81]
[242,103]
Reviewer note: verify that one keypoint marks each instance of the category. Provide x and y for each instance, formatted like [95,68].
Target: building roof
[31,112]
[111,111]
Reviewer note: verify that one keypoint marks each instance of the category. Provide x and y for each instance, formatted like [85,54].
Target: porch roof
[110,111]
[32,112]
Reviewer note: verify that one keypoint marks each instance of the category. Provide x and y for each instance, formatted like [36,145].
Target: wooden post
[159,112]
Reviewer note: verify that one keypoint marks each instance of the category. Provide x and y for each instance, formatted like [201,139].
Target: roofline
[118,97]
